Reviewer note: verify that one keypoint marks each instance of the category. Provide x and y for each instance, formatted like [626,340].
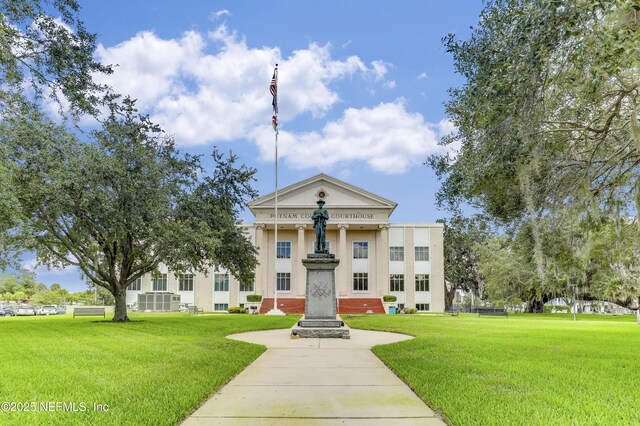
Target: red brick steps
[288,306]
[345,306]
[360,306]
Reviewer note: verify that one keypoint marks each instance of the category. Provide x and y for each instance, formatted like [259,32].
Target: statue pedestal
[320,318]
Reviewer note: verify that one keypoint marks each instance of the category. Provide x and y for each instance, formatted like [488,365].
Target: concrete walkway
[315,382]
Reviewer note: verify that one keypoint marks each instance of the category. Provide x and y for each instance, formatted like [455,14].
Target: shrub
[410,310]
[236,310]
[389,298]
[254,298]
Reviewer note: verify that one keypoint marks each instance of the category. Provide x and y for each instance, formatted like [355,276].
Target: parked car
[61,310]
[2,312]
[25,310]
[47,310]
[9,310]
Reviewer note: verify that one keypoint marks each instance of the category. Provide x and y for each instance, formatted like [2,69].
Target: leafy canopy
[549,111]
[119,206]
[42,55]
[547,123]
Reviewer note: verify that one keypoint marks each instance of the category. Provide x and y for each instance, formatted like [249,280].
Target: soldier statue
[320,217]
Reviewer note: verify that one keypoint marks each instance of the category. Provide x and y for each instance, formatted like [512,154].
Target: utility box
[158,302]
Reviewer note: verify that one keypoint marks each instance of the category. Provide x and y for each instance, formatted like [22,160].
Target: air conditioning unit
[158,302]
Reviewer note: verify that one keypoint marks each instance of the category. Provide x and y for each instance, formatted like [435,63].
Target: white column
[345,261]
[383,248]
[260,284]
[300,281]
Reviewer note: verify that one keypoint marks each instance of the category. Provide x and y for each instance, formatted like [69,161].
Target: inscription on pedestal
[321,293]
[321,290]
[320,323]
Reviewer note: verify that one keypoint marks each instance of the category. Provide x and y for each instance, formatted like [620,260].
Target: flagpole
[274,92]
[275,227]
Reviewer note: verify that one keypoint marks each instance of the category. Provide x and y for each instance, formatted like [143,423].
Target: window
[136,285]
[221,282]
[422,254]
[185,282]
[396,282]
[422,306]
[361,281]
[284,281]
[220,306]
[360,250]
[159,282]
[396,254]
[284,250]
[246,286]
[422,282]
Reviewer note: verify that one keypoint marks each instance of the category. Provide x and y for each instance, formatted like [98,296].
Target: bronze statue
[320,217]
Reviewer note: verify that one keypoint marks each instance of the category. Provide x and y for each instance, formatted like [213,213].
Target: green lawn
[524,370]
[153,371]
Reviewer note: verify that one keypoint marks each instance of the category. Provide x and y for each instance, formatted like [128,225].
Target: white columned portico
[301,275]
[343,279]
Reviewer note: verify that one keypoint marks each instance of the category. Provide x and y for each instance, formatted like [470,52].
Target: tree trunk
[121,306]
[449,295]
[534,306]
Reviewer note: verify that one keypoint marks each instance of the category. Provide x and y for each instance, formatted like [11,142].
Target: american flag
[273,88]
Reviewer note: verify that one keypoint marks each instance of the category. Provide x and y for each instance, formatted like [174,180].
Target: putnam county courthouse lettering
[377,257]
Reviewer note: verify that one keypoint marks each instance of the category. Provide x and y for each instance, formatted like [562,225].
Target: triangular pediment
[338,195]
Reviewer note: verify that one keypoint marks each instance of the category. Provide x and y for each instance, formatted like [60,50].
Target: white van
[48,310]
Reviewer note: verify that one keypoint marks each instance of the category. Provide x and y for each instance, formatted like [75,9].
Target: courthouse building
[377,257]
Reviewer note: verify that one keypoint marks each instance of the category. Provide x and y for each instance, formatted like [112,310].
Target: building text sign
[332,216]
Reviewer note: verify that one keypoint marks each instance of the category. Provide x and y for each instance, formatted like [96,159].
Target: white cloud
[214,16]
[40,270]
[423,76]
[445,127]
[379,69]
[148,68]
[205,97]
[386,137]
[207,88]
[30,265]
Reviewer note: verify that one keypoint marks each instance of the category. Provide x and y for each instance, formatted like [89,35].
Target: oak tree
[125,201]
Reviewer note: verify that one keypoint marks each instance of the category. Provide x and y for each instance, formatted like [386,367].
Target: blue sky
[361,86]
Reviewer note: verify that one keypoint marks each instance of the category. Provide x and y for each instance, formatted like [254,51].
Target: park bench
[85,312]
[193,309]
[492,311]
[454,312]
